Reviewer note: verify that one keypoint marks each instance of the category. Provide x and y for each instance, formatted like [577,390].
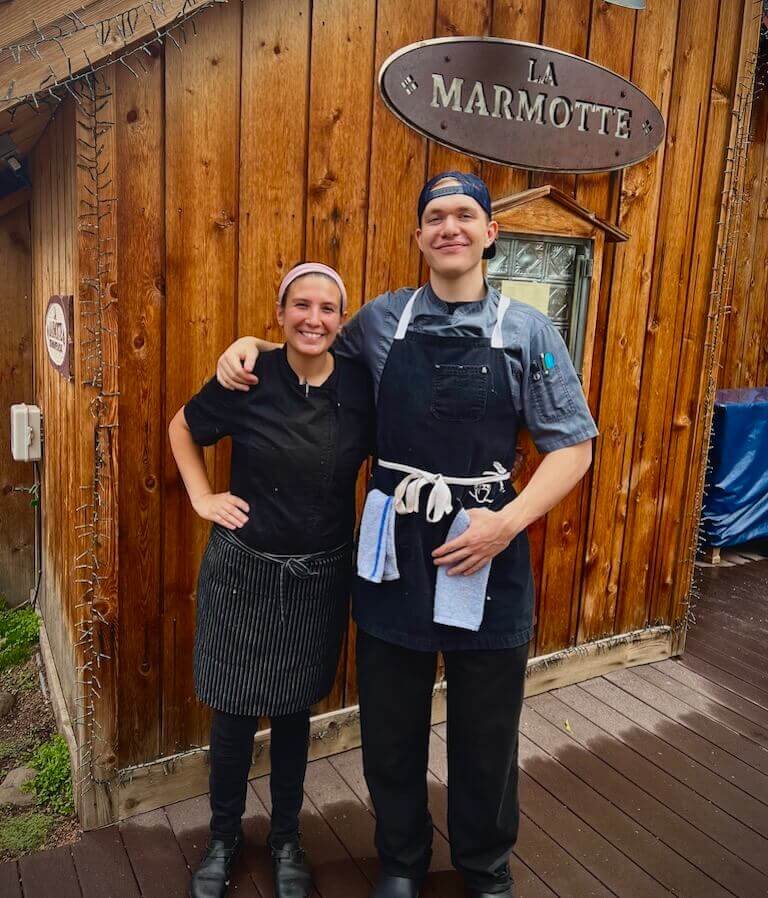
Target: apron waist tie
[440,501]
[297,566]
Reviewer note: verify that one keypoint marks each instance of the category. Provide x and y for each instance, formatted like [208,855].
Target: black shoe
[211,878]
[396,887]
[290,871]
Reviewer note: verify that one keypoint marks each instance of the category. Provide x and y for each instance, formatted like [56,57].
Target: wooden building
[168,191]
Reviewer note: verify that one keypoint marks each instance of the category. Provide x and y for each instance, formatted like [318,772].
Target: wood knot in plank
[324,183]
[224,221]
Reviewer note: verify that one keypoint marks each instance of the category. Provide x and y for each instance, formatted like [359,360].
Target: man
[458,371]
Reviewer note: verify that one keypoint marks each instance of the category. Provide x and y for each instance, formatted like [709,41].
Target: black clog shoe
[211,879]
[290,871]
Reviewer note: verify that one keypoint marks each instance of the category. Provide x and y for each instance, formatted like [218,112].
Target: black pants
[485,695]
[231,750]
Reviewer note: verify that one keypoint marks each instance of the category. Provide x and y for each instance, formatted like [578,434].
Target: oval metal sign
[521,104]
[58,333]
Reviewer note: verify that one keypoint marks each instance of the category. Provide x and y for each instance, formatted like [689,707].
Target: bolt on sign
[521,104]
[58,334]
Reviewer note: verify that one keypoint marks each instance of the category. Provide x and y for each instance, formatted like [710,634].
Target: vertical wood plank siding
[140,186]
[676,237]
[263,142]
[17,518]
[672,557]
[625,338]
[202,129]
[52,167]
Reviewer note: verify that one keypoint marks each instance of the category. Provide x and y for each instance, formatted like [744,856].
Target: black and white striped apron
[269,627]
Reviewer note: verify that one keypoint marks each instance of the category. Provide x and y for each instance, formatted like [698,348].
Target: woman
[273,585]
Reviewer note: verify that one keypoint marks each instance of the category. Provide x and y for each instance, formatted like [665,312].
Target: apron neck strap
[405,317]
[496,338]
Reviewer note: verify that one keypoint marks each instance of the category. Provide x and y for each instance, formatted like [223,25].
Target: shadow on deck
[646,782]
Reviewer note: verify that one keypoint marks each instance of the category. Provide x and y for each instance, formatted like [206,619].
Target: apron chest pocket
[459,392]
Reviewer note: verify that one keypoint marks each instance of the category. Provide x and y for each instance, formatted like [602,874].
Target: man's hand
[489,533]
[233,370]
[222,508]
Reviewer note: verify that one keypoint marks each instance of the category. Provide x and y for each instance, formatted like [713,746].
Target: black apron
[445,406]
[269,627]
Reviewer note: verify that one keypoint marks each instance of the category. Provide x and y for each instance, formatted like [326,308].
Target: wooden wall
[17,518]
[262,142]
[54,271]
[744,348]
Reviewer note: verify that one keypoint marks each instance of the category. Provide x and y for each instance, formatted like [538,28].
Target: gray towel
[376,556]
[460,600]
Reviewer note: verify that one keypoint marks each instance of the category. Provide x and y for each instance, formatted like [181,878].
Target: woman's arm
[490,532]
[235,365]
[221,508]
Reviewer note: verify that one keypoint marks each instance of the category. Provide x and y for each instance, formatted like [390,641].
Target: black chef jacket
[296,452]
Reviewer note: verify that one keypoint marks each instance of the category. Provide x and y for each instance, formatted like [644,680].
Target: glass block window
[550,273]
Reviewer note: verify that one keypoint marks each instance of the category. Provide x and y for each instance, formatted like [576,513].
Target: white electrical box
[25,432]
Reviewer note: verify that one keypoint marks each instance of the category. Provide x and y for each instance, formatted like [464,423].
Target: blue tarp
[735,506]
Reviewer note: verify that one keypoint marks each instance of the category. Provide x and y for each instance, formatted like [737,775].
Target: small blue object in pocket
[549,361]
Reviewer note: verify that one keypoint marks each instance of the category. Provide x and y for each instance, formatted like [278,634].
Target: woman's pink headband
[299,271]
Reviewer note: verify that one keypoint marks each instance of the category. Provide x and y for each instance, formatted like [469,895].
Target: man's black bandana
[468,185]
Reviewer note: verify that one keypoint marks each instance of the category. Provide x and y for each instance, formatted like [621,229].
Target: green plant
[52,784]
[19,632]
[24,833]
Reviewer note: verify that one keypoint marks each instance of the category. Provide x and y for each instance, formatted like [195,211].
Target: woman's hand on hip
[487,535]
[222,508]
[235,364]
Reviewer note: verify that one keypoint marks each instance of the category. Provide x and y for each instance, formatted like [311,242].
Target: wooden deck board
[10,882]
[617,873]
[669,759]
[733,647]
[739,849]
[700,723]
[642,846]
[155,856]
[647,808]
[49,873]
[640,784]
[716,622]
[714,692]
[728,716]
[102,865]
[724,679]
[722,656]
[741,775]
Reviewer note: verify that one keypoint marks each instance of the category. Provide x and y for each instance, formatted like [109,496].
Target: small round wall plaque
[58,334]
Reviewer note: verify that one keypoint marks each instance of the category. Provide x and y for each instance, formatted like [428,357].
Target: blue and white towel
[376,555]
[460,599]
